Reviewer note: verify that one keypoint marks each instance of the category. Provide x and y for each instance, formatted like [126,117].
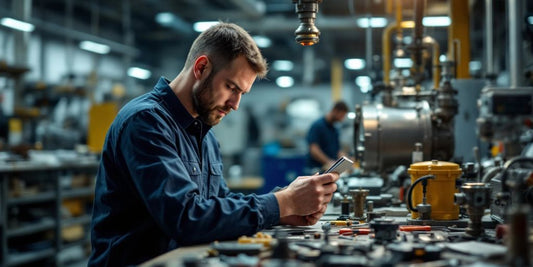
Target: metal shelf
[78,192]
[84,219]
[25,257]
[52,198]
[40,197]
[31,228]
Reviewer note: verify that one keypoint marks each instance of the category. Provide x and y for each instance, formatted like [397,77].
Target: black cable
[410,191]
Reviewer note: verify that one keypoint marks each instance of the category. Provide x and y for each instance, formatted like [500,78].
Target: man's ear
[202,67]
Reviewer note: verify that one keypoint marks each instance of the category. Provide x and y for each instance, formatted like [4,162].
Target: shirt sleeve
[168,192]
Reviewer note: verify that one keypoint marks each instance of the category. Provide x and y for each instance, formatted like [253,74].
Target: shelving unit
[45,234]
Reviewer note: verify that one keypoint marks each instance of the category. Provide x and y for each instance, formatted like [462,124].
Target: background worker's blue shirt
[155,191]
[326,136]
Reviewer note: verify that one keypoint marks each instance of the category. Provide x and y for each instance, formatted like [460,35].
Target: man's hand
[307,195]
[303,220]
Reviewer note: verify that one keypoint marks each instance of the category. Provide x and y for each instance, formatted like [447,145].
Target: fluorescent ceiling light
[139,73]
[17,24]
[95,47]
[442,21]
[262,41]
[376,22]
[403,62]
[282,65]
[354,64]
[201,26]
[364,83]
[164,18]
[285,81]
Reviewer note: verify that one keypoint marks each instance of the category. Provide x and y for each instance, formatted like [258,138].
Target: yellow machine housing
[440,191]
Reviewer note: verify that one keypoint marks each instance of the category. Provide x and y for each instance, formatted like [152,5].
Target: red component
[345,231]
[501,230]
[410,228]
[362,231]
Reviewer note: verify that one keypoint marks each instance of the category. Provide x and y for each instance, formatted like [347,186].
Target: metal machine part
[345,208]
[307,33]
[359,199]
[386,135]
[511,185]
[385,230]
[476,198]
[504,115]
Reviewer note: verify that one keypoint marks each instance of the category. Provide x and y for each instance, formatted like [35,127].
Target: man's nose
[234,101]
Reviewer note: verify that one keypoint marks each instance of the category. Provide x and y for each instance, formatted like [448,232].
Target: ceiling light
[285,81]
[530,20]
[375,22]
[442,21]
[354,64]
[262,41]
[364,83]
[282,65]
[408,24]
[17,24]
[164,18]
[351,115]
[139,73]
[474,65]
[201,26]
[95,47]
[403,62]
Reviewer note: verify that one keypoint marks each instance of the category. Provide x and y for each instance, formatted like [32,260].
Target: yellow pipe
[336,79]
[399,18]
[388,7]
[387,52]
[387,46]
[386,39]
[459,30]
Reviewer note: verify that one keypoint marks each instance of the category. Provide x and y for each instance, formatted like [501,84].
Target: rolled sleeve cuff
[269,211]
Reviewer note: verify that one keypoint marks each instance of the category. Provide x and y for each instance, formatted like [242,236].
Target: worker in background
[160,185]
[323,139]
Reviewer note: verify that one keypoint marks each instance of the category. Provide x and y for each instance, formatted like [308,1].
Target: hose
[491,174]
[410,191]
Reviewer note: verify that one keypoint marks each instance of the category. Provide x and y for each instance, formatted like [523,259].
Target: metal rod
[515,43]
[489,17]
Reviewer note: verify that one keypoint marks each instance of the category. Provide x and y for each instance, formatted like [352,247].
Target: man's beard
[203,103]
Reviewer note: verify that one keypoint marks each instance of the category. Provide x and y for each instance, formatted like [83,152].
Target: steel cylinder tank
[385,136]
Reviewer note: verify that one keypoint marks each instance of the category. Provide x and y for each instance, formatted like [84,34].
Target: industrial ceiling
[131,25]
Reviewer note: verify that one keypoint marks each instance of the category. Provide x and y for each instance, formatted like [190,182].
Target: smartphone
[341,165]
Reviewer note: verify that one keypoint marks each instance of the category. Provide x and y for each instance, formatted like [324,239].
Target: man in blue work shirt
[323,139]
[160,184]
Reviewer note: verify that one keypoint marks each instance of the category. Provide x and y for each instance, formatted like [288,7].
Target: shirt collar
[178,111]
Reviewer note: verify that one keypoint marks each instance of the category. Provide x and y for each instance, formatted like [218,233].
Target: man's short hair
[223,43]
[340,106]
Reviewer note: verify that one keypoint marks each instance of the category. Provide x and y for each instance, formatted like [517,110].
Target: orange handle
[410,228]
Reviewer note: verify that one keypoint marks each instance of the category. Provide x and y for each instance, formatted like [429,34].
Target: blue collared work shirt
[326,136]
[160,185]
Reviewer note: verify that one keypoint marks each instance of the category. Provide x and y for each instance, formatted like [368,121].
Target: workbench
[307,246]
